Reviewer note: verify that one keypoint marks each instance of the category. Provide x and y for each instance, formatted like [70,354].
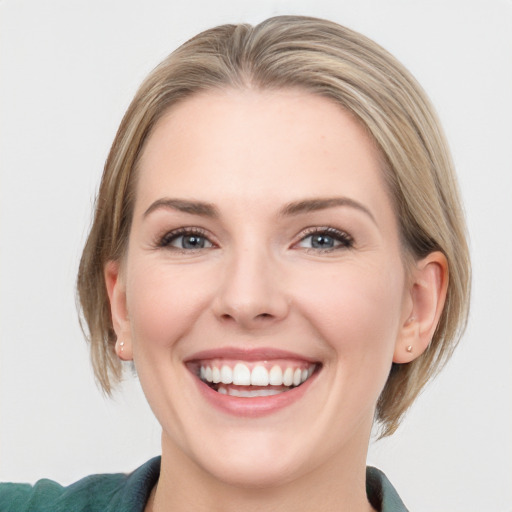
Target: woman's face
[264,246]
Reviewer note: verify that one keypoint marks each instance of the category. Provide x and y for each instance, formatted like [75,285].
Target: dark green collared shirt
[130,493]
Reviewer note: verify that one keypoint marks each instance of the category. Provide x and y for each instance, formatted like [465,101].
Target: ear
[427,294]
[116,290]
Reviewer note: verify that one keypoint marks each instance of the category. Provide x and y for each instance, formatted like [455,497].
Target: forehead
[259,145]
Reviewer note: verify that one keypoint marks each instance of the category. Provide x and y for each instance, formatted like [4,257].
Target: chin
[246,457]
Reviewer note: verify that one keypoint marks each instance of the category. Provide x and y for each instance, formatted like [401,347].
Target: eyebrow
[294,208]
[315,204]
[183,205]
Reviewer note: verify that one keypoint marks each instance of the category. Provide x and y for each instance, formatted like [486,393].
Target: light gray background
[68,71]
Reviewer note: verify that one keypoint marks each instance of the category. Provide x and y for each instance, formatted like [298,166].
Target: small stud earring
[409,349]
[121,346]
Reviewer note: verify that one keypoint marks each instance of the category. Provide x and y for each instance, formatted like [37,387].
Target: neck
[340,484]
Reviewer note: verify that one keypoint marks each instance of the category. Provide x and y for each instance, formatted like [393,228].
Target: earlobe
[116,290]
[429,283]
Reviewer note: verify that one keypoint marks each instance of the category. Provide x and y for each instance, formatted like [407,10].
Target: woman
[278,246]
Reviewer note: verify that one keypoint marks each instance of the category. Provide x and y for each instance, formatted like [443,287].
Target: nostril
[256,320]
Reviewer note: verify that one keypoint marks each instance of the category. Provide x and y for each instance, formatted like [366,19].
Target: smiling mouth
[253,379]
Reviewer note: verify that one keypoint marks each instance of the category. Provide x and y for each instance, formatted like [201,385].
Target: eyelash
[166,240]
[344,240]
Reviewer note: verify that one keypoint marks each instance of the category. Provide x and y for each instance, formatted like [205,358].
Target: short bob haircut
[331,61]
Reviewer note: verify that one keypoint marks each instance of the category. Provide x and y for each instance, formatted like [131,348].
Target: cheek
[163,303]
[358,313]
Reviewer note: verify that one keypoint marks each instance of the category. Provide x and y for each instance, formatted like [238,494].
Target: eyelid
[163,241]
[345,239]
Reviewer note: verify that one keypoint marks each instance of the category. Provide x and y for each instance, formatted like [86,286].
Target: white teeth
[248,393]
[226,374]
[275,377]
[259,376]
[241,375]
[288,377]
[215,375]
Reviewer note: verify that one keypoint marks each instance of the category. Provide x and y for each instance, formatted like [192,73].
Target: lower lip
[255,406]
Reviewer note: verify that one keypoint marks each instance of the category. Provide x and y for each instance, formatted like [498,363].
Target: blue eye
[187,240]
[326,240]
[191,242]
[322,241]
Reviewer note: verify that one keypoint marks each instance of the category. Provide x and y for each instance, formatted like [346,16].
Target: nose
[251,293]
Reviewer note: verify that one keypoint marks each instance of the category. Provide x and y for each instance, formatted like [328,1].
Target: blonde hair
[331,61]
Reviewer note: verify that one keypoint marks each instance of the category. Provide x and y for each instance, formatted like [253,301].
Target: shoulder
[106,493]
[381,493]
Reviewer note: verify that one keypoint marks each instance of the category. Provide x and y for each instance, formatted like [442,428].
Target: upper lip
[248,354]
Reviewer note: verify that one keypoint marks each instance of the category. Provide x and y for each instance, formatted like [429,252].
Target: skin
[258,283]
